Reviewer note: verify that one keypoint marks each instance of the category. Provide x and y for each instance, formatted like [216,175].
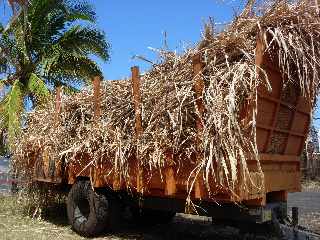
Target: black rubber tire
[151,217]
[90,212]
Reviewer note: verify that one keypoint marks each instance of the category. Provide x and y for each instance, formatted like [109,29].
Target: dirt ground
[308,202]
[14,224]
[311,185]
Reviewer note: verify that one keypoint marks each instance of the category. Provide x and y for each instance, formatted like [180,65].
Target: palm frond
[75,68]
[46,19]
[11,53]
[80,11]
[21,42]
[3,82]
[38,88]
[3,64]
[84,40]
[69,90]
[11,109]
[49,18]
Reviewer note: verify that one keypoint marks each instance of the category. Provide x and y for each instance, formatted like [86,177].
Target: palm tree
[17,3]
[45,46]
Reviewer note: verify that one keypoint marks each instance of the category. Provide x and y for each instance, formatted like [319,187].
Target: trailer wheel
[90,212]
[151,217]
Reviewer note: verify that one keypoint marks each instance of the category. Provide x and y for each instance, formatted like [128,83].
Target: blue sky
[133,26]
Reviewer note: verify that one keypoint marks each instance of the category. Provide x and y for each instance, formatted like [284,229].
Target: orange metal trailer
[283,120]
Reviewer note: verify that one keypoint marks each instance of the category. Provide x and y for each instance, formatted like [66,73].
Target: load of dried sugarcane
[290,33]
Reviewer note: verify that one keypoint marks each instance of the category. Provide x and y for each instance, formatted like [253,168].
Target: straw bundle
[290,33]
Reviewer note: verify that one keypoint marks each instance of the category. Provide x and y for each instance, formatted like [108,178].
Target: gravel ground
[309,208]
[4,168]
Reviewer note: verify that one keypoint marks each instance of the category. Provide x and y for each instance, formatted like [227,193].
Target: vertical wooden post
[198,89]
[259,52]
[137,99]
[96,82]
[136,94]
[170,181]
[55,173]
[58,104]
[96,97]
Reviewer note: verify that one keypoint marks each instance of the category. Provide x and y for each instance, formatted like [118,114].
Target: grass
[16,224]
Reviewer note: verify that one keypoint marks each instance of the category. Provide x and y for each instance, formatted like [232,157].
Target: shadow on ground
[57,215]
[183,226]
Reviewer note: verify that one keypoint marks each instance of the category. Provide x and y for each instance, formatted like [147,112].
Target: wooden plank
[116,184]
[282,180]
[287,148]
[259,53]
[259,125]
[137,100]
[200,189]
[274,124]
[278,158]
[198,88]
[170,181]
[255,202]
[96,97]
[260,59]
[135,79]
[276,100]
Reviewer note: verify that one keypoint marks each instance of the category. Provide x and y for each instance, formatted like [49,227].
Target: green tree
[48,43]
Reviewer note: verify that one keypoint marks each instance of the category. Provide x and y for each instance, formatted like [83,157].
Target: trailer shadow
[191,227]
[56,214]
[183,226]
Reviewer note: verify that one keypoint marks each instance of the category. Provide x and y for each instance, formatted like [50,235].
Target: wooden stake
[170,181]
[198,89]
[137,100]
[136,94]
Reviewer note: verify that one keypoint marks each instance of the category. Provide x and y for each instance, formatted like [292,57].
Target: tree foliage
[46,44]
